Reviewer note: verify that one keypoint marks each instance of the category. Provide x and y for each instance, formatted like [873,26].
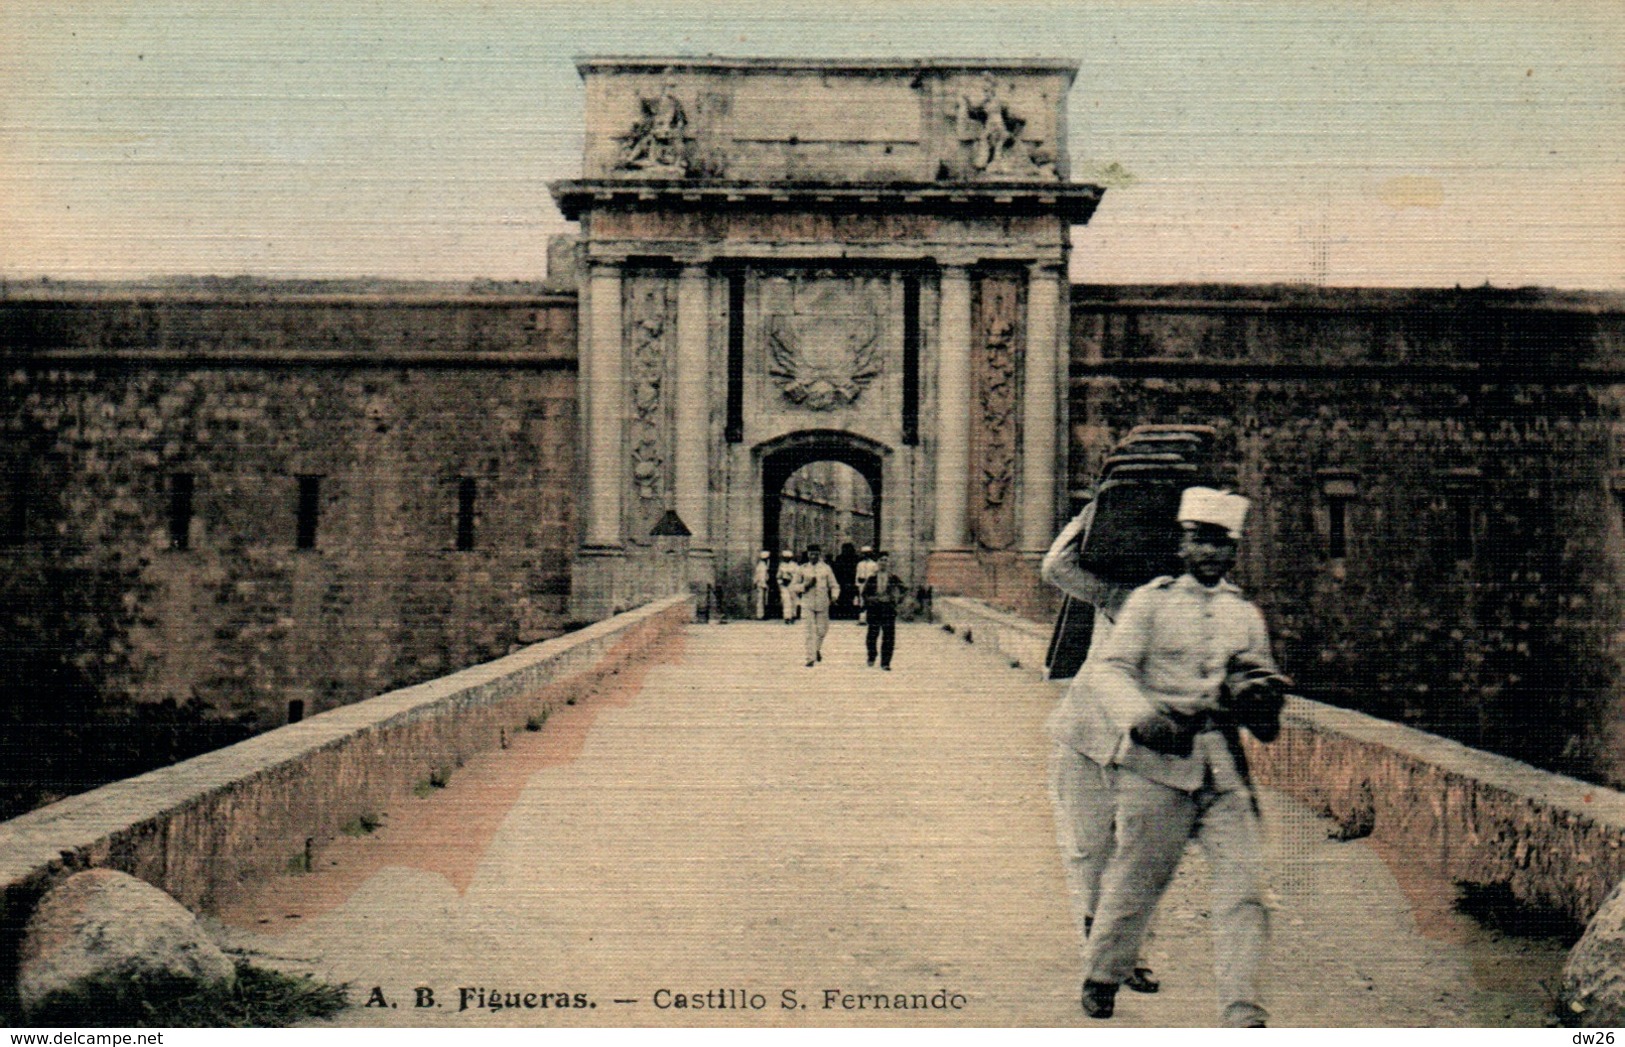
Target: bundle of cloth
[1133,536]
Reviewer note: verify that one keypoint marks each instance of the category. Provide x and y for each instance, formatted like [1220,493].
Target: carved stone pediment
[814,123]
[823,361]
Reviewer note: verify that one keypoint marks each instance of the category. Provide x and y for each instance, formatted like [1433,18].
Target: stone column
[1039,407]
[692,443]
[605,402]
[953,408]
[951,565]
[595,576]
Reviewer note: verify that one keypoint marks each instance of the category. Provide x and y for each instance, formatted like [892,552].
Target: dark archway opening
[822,488]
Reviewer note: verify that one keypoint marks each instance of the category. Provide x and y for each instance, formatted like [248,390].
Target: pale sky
[1375,143]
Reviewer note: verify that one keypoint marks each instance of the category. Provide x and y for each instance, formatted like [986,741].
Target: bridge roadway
[734,821]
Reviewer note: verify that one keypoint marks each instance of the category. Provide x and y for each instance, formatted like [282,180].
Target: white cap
[1204,505]
[867,549]
[766,554]
[787,554]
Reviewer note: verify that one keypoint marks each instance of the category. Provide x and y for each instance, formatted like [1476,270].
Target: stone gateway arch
[782,261]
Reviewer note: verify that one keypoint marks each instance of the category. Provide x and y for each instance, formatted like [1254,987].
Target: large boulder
[1594,976]
[102,924]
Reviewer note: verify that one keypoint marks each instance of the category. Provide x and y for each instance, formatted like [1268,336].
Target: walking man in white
[818,590]
[759,584]
[1187,662]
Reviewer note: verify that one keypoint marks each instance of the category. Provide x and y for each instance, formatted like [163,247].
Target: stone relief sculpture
[823,361]
[992,130]
[648,326]
[998,335]
[659,142]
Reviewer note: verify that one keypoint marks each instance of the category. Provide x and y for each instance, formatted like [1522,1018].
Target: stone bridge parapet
[203,829]
[1465,815]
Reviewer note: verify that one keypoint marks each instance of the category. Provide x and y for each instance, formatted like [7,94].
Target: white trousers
[1081,793]
[817,627]
[1154,822]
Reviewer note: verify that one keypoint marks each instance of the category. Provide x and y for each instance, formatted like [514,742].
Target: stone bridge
[653,812]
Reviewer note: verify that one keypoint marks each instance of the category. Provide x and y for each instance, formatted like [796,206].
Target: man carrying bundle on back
[1124,537]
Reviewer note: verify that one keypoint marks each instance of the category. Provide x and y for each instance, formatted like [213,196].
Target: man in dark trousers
[881,592]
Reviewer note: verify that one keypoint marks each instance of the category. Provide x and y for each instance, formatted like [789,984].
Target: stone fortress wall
[265,505]
[1461,444]
[1438,478]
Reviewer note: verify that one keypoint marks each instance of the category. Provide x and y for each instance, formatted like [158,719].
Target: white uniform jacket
[818,587]
[1169,651]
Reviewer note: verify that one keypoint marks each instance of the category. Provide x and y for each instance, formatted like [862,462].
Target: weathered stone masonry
[1437,537]
[403,415]
[1465,443]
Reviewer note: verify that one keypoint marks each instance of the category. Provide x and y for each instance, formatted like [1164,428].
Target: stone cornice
[680,254]
[725,64]
[1072,202]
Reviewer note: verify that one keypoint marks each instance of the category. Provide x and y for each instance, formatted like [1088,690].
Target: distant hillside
[257,286]
[1282,295]
[1310,296]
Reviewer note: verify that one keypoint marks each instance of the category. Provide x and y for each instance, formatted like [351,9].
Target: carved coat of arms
[823,361]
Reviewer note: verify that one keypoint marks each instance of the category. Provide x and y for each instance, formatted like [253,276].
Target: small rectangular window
[1463,491]
[296,710]
[309,510]
[466,490]
[1339,488]
[1337,527]
[17,490]
[1463,524]
[180,510]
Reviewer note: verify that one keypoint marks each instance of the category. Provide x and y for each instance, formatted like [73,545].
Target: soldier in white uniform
[788,579]
[759,584]
[1187,661]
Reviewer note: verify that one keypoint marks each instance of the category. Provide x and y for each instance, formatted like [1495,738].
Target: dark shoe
[819,656]
[1141,981]
[1245,1015]
[886,667]
[871,663]
[809,665]
[1099,999]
